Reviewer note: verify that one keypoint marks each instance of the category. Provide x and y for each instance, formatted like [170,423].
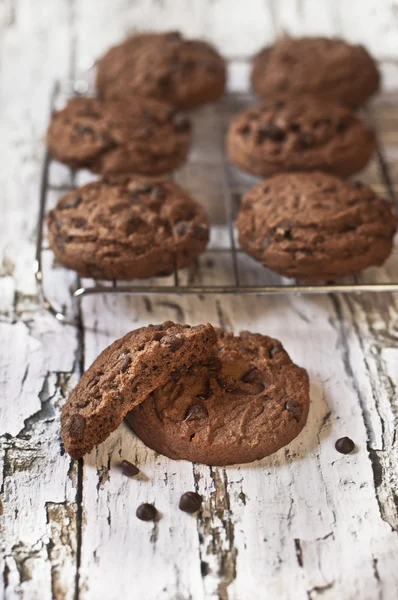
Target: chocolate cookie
[316,65]
[127,228]
[119,136]
[300,134]
[244,402]
[124,374]
[185,73]
[315,227]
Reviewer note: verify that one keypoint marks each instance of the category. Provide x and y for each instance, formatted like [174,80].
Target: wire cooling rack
[210,177]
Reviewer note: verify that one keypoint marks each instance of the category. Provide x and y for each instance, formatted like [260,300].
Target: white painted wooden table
[303,524]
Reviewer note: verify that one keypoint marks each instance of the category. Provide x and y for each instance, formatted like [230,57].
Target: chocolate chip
[294,408]
[128,468]
[71,202]
[306,140]
[245,130]
[275,350]
[163,326]
[176,374]
[294,127]
[279,105]
[172,341]
[357,184]
[225,384]
[79,222]
[181,124]
[213,364]
[84,129]
[341,127]
[174,36]
[146,512]
[344,445]
[125,364]
[164,81]
[196,412]
[182,227]
[252,376]
[271,131]
[190,502]
[77,425]
[141,188]
[322,123]
[158,192]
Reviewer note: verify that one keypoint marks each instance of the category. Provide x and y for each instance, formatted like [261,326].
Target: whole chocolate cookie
[244,402]
[316,65]
[185,73]
[124,374]
[300,134]
[315,227]
[127,228]
[119,137]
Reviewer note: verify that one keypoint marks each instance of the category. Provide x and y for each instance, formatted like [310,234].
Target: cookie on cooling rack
[185,73]
[123,376]
[244,402]
[127,228]
[316,65]
[300,134]
[119,137]
[314,226]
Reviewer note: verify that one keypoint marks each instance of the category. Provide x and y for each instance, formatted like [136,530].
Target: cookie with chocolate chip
[119,136]
[316,65]
[242,403]
[300,134]
[127,228]
[314,226]
[124,374]
[165,66]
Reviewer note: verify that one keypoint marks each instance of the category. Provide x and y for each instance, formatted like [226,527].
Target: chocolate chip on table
[190,502]
[344,445]
[77,425]
[172,341]
[196,412]
[129,469]
[146,512]
[294,408]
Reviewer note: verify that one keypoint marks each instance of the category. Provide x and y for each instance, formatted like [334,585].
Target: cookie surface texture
[300,134]
[126,229]
[315,227]
[316,65]
[244,402]
[185,73]
[119,137]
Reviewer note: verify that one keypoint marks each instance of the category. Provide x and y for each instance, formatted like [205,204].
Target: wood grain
[305,523]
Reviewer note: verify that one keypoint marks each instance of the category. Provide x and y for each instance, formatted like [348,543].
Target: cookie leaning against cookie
[185,73]
[120,136]
[127,228]
[303,133]
[316,65]
[123,375]
[244,402]
[315,227]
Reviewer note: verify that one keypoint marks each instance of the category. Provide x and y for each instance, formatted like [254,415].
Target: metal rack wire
[226,174]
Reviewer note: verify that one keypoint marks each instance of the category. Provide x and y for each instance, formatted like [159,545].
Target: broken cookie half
[124,374]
